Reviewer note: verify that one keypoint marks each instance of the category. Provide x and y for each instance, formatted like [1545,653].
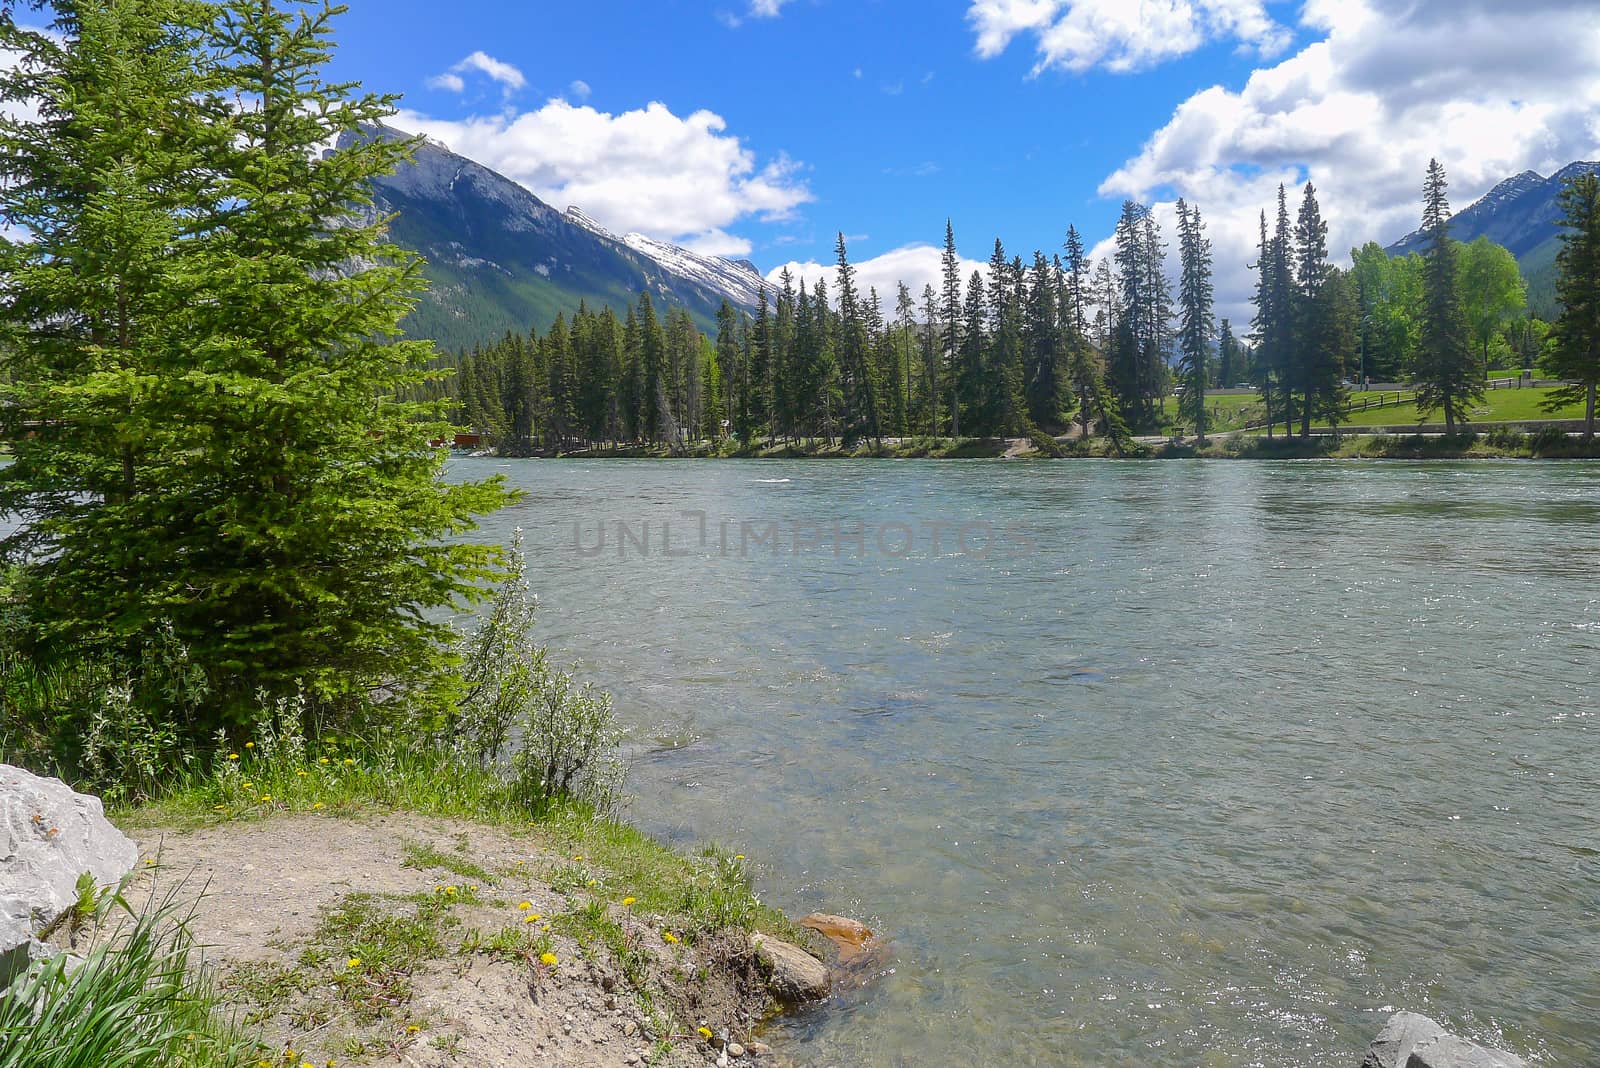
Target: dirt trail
[270,888]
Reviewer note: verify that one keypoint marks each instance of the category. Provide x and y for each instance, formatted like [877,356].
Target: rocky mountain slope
[499,258]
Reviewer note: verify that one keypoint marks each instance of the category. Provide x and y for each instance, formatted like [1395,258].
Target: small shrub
[1506,437]
[1548,440]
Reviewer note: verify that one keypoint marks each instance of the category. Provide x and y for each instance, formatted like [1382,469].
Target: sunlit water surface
[1195,763]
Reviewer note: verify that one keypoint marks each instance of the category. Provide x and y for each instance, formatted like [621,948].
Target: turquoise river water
[1175,763]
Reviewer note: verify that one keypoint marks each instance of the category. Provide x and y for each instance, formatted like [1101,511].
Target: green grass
[703,893]
[424,857]
[1498,405]
[135,1002]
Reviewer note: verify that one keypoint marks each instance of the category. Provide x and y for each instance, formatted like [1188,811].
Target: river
[1177,763]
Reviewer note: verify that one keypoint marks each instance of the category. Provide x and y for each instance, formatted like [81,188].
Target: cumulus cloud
[504,74]
[1490,90]
[915,265]
[1076,35]
[682,179]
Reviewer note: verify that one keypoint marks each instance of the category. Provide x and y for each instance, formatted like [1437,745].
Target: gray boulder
[49,836]
[1410,1040]
[796,975]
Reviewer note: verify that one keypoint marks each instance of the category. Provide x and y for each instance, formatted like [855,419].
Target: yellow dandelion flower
[704,1032]
[353,962]
[450,890]
[545,928]
[307,1064]
[530,919]
[669,938]
[472,889]
[233,756]
[594,882]
[629,900]
[220,808]
[317,805]
[525,906]
[549,960]
[324,760]
[738,856]
[412,1029]
[348,761]
[249,745]
[578,858]
[265,798]
[248,785]
[301,771]
[149,861]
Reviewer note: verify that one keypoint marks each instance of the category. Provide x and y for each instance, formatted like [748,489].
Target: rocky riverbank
[385,937]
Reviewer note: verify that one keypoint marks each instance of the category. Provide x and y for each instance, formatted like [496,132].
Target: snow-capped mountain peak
[576,214]
[740,282]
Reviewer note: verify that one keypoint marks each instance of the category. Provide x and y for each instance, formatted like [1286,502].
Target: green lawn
[1499,405]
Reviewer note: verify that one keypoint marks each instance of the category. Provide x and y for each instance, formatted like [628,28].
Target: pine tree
[855,374]
[969,410]
[290,522]
[1042,329]
[951,315]
[1195,298]
[1320,342]
[1078,269]
[1227,356]
[1575,352]
[1447,375]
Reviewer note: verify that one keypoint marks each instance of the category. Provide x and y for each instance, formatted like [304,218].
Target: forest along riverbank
[1511,441]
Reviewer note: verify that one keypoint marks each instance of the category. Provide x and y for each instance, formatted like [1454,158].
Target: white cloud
[1489,90]
[1077,35]
[915,265]
[766,9]
[681,179]
[504,74]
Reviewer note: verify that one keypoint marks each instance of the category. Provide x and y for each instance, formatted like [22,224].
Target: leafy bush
[1506,437]
[115,724]
[562,738]
[1548,440]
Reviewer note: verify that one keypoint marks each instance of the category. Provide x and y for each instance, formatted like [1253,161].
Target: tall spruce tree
[1575,350]
[1447,375]
[251,475]
[1195,293]
[1319,337]
[950,314]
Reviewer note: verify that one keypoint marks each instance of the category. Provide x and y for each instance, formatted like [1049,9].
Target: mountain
[1524,215]
[498,258]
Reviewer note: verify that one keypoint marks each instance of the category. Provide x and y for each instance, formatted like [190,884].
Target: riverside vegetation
[226,590]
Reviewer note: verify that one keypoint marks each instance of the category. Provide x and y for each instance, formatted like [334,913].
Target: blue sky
[762,127]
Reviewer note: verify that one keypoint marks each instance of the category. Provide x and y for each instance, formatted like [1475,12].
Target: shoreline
[1499,443]
[349,927]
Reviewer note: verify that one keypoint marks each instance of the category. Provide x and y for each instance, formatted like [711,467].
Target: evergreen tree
[1575,350]
[951,314]
[1078,284]
[855,374]
[249,472]
[1195,298]
[969,412]
[1320,341]
[1447,375]
[1043,343]
[1228,363]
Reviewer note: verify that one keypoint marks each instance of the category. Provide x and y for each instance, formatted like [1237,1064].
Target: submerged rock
[1411,1040]
[851,938]
[49,836]
[796,975]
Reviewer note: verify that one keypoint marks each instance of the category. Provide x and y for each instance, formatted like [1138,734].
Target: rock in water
[796,974]
[850,937]
[49,836]
[1410,1040]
